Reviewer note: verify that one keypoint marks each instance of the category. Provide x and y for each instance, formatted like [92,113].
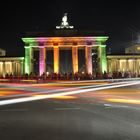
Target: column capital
[88,46]
[75,46]
[41,47]
[55,46]
[102,46]
[27,47]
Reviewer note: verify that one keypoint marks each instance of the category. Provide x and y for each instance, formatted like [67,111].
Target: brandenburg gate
[65,37]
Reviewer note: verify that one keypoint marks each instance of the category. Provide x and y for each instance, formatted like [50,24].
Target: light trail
[130,101]
[56,91]
[27,99]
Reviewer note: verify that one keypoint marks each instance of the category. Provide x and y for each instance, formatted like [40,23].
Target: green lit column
[28,60]
[102,58]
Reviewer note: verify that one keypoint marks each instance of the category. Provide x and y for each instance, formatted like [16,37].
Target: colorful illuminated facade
[65,37]
[61,43]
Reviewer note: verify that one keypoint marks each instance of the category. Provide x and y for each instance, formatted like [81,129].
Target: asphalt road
[107,114]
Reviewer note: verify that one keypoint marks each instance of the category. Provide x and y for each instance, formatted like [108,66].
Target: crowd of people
[71,76]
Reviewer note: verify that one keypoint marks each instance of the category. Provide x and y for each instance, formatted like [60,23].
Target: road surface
[70,111]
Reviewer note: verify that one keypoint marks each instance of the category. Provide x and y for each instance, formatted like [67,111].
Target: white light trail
[27,99]
[54,90]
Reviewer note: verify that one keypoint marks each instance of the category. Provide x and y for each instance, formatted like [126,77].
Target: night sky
[121,21]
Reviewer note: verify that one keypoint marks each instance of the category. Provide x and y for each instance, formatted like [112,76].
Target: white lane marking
[107,105]
[27,99]
[69,108]
[115,106]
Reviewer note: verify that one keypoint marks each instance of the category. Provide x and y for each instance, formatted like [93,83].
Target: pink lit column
[75,59]
[42,60]
[88,61]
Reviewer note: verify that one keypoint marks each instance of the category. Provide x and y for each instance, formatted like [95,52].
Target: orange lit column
[56,59]
[75,59]
[88,57]
[42,60]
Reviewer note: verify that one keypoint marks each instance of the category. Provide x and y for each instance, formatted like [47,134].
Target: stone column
[88,57]
[56,59]
[109,66]
[13,68]
[42,60]
[127,65]
[118,65]
[135,66]
[4,69]
[28,60]
[102,58]
[21,67]
[75,59]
